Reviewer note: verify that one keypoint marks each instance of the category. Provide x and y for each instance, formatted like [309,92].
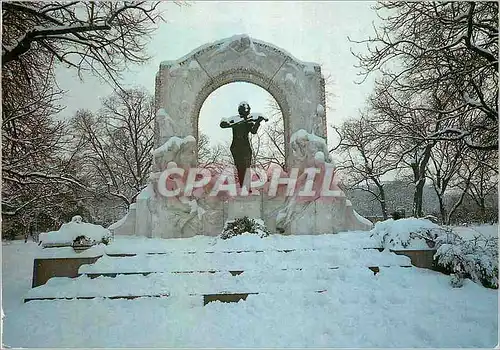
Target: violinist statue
[242,124]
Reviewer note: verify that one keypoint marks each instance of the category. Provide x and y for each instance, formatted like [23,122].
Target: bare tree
[271,135]
[96,37]
[274,144]
[438,80]
[366,158]
[329,94]
[409,122]
[36,157]
[100,37]
[117,144]
[39,181]
[480,179]
[446,161]
[213,157]
[445,47]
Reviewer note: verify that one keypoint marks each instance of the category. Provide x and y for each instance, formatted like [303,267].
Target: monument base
[315,217]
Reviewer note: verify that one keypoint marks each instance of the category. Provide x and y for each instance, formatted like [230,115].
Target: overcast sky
[310,31]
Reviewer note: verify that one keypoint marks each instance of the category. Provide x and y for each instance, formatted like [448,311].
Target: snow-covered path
[17,271]
[410,308]
[398,307]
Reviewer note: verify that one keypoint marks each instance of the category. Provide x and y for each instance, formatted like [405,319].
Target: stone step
[237,260]
[207,298]
[243,260]
[375,269]
[199,244]
[114,274]
[195,283]
[128,297]
[123,255]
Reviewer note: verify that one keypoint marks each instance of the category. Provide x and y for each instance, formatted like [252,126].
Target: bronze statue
[242,124]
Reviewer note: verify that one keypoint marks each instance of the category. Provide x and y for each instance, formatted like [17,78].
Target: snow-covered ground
[398,307]
[472,231]
[17,271]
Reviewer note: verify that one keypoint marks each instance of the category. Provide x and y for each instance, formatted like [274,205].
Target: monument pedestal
[238,207]
[316,217]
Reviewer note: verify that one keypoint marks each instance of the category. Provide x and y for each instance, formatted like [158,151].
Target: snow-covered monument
[181,89]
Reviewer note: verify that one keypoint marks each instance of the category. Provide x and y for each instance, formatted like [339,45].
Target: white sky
[310,31]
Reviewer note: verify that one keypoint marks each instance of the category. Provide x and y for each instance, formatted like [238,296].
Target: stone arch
[248,76]
[183,85]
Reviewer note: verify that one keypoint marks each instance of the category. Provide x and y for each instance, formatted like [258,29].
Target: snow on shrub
[409,233]
[77,232]
[243,225]
[475,258]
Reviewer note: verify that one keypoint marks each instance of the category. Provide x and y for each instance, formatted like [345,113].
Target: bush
[476,259]
[461,258]
[432,218]
[86,241]
[82,240]
[457,281]
[242,225]
[9,235]
[398,214]
[407,233]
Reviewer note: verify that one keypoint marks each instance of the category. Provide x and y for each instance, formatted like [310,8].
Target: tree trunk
[442,210]
[418,198]
[383,204]
[455,206]
[419,171]
[482,210]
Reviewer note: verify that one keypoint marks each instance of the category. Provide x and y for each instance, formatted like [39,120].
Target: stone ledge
[225,297]
[44,269]
[423,258]
[128,297]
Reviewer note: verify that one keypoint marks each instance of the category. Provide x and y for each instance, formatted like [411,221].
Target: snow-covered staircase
[212,269]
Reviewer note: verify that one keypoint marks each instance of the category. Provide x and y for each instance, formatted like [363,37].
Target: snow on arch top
[222,44]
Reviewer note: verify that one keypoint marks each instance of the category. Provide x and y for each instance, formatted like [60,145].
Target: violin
[252,117]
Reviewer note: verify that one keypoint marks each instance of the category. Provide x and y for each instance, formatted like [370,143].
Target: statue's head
[244,109]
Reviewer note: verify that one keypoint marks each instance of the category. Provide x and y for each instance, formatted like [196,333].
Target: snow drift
[76,228]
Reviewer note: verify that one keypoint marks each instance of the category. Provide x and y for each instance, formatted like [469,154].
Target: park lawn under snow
[398,307]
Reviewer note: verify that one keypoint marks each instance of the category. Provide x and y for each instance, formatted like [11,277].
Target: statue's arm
[254,127]
[223,124]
